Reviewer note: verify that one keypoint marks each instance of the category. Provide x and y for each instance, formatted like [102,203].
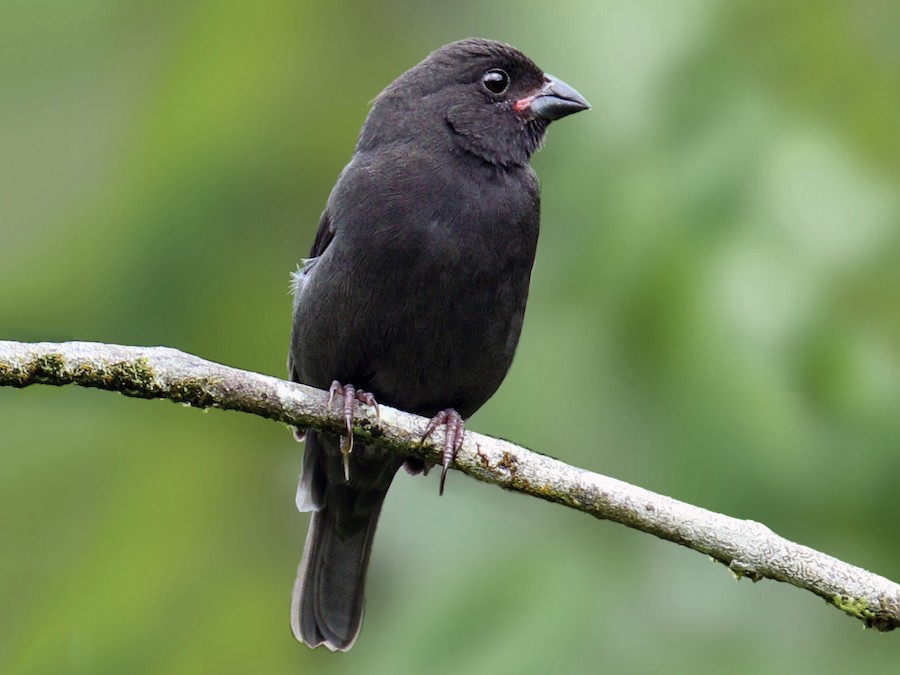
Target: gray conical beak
[556,99]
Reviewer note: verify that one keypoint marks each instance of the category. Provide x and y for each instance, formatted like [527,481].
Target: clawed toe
[454,434]
[349,395]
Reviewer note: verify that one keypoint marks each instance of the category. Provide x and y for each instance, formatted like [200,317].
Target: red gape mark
[524,103]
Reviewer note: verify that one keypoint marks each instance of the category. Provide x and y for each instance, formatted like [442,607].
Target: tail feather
[328,598]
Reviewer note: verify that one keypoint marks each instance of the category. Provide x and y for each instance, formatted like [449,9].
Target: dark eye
[495,81]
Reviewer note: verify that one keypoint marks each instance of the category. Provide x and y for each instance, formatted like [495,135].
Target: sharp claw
[434,423]
[444,469]
[347,446]
[369,399]
[332,391]
[454,434]
[346,449]
[349,400]
[350,395]
[453,440]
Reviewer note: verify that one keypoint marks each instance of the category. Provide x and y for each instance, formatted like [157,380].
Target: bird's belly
[427,333]
[449,346]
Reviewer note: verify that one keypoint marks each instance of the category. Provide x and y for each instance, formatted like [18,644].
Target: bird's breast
[421,295]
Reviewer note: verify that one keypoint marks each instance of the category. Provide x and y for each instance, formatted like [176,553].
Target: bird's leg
[454,433]
[350,395]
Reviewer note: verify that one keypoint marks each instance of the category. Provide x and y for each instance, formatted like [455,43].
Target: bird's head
[481,97]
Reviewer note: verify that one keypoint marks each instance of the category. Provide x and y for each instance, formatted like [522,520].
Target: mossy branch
[747,548]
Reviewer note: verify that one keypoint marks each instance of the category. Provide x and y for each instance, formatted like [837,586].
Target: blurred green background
[715,315]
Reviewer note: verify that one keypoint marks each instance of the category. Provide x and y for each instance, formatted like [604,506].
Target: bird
[413,294]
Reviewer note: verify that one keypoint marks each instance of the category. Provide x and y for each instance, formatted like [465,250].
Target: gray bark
[749,549]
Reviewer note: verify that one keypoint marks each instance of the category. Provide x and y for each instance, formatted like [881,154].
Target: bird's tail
[327,604]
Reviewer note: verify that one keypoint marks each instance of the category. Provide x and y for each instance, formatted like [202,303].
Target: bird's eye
[495,81]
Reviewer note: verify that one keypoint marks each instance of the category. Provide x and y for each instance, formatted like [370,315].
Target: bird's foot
[454,433]
[350,395]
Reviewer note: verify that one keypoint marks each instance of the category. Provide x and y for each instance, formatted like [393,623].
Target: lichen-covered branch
[747,548]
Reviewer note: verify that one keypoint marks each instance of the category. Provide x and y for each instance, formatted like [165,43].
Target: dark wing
[323,236]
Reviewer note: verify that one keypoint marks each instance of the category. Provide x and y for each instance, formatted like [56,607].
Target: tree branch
[747,548]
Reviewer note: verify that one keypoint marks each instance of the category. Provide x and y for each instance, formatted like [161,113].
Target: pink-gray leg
[454,434]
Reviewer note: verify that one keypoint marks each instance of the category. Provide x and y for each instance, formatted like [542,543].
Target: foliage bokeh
[715,315]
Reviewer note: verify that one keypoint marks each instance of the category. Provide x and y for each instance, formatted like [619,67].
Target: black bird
[414,291]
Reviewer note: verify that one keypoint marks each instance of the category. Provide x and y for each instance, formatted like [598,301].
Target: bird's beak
[554,100]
